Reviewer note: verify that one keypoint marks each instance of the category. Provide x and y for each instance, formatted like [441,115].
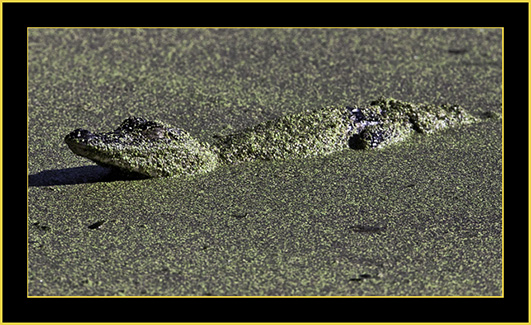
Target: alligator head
[145,147]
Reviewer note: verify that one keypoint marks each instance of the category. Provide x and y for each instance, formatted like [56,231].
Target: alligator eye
[154,133]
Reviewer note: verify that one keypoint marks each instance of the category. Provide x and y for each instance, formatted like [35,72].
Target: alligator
[154,149]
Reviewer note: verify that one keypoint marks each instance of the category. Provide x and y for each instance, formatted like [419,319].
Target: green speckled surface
[418,218]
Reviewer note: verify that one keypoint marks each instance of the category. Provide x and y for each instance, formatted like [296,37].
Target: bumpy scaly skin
[145,147]
[388,120]
[157,150]
[300,135]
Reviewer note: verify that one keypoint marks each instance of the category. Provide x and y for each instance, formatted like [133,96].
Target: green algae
[438,197]
[436,200]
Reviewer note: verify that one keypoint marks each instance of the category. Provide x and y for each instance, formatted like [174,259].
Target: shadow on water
[78,175]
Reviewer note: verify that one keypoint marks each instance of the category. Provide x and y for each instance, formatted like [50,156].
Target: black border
[512,308]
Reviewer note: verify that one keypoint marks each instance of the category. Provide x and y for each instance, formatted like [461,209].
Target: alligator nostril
[79,136]
[82,133]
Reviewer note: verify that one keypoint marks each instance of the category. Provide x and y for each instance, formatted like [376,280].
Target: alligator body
[154,149]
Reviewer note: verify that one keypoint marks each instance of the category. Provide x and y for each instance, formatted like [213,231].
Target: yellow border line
[1,171]
[268,1]
[229,27]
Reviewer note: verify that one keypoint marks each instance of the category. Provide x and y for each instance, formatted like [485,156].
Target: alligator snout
[78,139]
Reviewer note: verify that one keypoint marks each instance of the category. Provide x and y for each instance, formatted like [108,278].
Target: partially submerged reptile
[154,149]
